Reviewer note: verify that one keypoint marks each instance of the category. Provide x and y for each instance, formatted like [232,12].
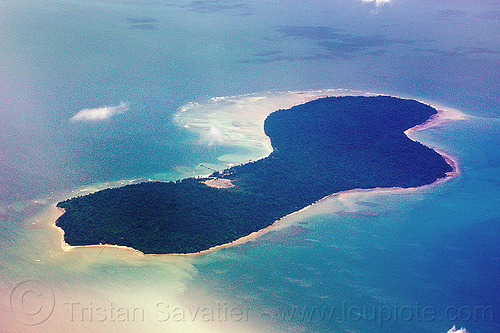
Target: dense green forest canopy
[320,147]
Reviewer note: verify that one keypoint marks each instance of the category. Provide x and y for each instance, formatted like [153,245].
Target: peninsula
[321,147]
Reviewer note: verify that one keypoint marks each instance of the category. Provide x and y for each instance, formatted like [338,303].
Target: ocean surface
[97,94]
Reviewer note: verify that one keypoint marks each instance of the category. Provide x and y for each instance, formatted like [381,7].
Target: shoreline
[68,248]
[443,116]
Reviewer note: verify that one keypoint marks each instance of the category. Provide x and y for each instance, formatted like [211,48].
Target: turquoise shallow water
[434,251]
[416,262]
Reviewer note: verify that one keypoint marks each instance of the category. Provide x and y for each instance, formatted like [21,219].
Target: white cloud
[213,136]
[100,113]
[454,330]
[378,2]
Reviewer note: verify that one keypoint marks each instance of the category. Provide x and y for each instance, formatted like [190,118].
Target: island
[321,147]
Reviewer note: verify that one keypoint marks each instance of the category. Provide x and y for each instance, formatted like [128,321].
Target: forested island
[319,148]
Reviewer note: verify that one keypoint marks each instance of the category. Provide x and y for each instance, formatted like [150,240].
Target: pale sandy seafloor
[100,275]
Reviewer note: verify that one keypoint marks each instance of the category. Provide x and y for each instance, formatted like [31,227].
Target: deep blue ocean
[88,94]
